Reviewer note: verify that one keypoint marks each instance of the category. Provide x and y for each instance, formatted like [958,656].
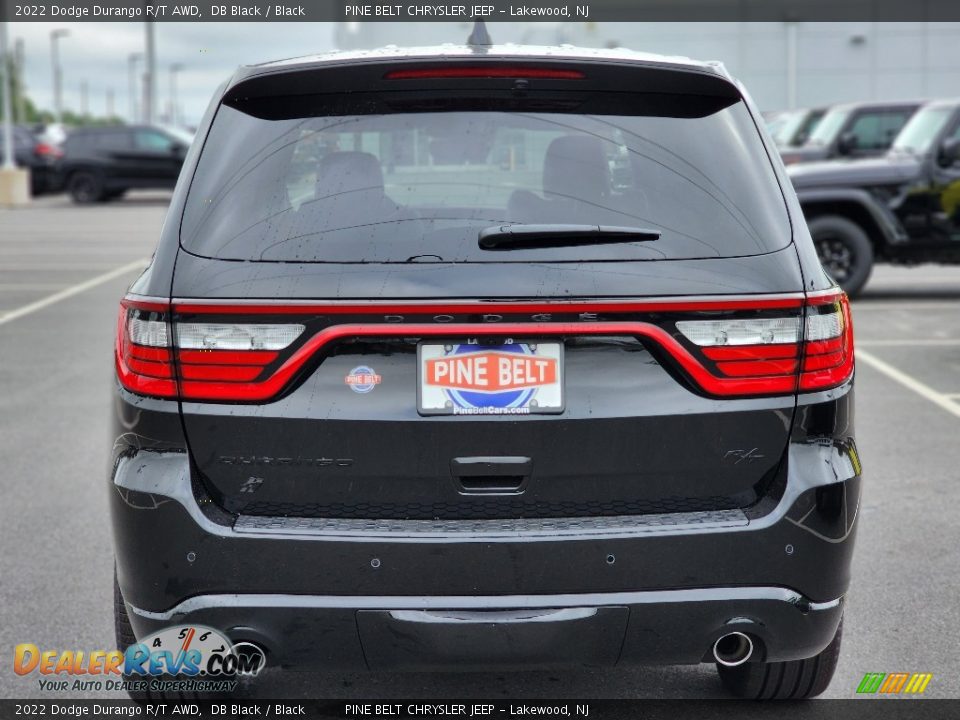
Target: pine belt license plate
[469,378]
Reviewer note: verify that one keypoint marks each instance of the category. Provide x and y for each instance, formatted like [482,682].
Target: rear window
[419,186]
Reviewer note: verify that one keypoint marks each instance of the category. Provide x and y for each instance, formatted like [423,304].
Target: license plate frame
[468,399]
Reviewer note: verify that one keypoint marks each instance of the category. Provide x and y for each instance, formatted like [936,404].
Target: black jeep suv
[102,163]
[499,359]
[792,129]
[901,208]
[856,130]
[39,157]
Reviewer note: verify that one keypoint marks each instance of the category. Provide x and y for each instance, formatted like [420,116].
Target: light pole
[55,35]
[132,60]
[791,64]
[174,69]
[6,96]
[150,77]
[19,63]
[14,181]
[83,99]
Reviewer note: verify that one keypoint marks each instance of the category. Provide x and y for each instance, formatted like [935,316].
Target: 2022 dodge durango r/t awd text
[509,359]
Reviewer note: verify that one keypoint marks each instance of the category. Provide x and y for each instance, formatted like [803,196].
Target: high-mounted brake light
[730,347]
[441,73]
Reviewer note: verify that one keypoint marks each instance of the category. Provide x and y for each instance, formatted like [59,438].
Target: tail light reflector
[756,368]
[226,357]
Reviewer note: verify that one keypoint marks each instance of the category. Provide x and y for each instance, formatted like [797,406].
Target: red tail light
[828,350]
[143,357]
[203,361]
[46,150]
[782,353]
[738,347]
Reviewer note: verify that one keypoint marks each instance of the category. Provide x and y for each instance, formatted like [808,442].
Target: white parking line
[906,342]
[73,290]
[51,267]
[925,391]
[29,286]
[933,305]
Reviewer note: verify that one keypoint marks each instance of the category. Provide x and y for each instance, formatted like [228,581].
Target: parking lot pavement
[55,246]
[63,269]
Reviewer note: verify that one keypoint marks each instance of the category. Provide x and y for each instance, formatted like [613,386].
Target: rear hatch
[484,288]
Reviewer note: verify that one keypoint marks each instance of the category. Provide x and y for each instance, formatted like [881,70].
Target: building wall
[834,61]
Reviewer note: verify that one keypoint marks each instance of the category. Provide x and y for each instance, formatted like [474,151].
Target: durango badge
[362,379]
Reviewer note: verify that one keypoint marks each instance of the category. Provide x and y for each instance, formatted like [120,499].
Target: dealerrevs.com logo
[894,683]
[186,658]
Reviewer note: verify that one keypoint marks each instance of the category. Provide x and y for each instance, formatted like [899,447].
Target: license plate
[470,378]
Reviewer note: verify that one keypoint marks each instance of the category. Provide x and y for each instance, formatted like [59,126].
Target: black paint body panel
[651,515]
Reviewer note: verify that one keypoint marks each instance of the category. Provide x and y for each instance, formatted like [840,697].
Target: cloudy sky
[97,53]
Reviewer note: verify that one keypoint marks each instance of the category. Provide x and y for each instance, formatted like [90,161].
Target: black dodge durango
[500,358]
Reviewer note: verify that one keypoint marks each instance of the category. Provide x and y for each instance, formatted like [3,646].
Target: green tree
[35,115]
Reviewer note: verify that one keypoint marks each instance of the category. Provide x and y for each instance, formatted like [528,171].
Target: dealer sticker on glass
[512,378]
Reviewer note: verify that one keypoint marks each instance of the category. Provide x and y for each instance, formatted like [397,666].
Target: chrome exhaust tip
[733,649]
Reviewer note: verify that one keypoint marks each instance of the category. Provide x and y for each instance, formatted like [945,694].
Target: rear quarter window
[420,186]
[117,140]
[77,143]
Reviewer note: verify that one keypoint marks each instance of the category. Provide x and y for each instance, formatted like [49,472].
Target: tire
[85,187]
[791,680]
[125,637]
[845,251]
[122,629]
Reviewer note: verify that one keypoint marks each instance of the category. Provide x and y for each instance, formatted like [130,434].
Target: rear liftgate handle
[491,475]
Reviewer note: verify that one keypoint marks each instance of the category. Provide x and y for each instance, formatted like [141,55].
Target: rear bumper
[441,633]
[426,594]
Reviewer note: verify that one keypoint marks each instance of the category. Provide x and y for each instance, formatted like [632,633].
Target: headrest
[575,167]
[348,171]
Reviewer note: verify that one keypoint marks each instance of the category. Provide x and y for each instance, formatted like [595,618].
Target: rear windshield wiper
[528,237]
